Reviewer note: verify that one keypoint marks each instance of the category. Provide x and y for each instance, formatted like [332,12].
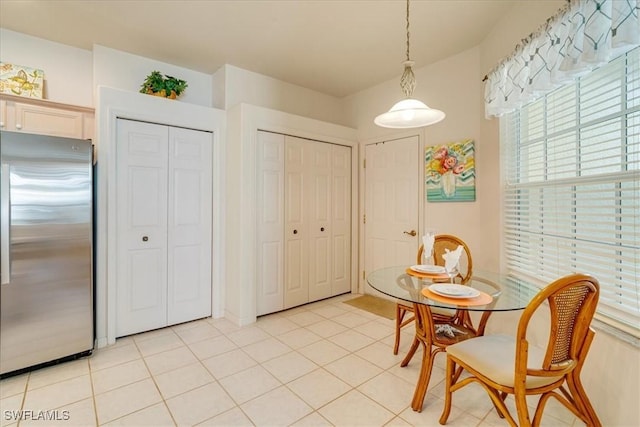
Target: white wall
[524,18]
[67,70]
[242,86]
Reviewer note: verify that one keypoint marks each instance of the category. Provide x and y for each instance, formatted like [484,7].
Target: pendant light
[409,113]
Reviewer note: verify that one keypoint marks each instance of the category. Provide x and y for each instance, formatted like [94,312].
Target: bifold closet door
[270,222]
[163,226]
[318,212]
[189,225]
[142,165]
[317,220]
[340,219]
[303,221]
[296,222]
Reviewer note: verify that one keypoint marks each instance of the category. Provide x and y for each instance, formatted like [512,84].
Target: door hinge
[363,275]
[364,218]
[364,163]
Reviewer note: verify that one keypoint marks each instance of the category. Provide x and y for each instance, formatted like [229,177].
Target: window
[571,167]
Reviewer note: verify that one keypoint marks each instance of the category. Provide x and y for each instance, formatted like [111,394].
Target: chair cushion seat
[493,356]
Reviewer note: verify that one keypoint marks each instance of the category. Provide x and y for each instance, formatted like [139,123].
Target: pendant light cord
[408,80]
[408,59]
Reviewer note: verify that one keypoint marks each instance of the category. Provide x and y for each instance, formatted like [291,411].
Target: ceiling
[337,47]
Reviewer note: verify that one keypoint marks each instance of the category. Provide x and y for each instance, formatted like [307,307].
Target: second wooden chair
[440,244]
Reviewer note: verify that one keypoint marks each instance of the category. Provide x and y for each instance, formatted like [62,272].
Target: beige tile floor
[322,364]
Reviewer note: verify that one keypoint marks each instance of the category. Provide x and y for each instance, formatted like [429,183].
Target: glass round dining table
[403,283]
[442,317]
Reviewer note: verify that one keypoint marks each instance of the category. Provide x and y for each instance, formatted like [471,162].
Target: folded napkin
[427,242]
[451,258]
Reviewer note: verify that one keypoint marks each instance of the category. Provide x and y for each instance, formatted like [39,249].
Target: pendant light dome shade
[409,113]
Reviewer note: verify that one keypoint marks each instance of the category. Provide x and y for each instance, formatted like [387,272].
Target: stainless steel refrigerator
[46,229]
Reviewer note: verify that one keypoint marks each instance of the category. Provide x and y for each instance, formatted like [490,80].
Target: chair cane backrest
[448,241]
[572,303]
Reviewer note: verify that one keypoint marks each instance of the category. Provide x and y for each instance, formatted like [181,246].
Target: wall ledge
[617,333]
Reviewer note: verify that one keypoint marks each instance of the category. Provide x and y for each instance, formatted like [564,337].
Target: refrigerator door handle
[5,225]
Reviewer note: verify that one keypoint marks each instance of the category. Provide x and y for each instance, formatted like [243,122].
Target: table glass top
[508,293]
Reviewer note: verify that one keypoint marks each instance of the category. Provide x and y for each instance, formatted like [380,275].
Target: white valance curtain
[583,35]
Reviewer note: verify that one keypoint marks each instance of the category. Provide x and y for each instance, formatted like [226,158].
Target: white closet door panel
[296,288]
[141,305]
[319,214]
[186,282]
[319,268]
[141,227]
[270,235]
[295,183]
[189,225]
[340,219]
[144,275]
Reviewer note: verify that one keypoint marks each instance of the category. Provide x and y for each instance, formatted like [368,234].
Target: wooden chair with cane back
[440,244]
[506,365]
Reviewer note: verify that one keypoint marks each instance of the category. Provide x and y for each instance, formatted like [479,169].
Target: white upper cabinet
[45,117]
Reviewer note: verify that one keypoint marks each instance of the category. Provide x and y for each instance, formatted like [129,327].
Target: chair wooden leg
[449,379]
[582,401]
[400,312]
[501,407]
[522,409]
[411,352]
[425,375]
[575,384]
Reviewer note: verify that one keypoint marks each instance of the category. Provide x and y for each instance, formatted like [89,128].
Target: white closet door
[270,190]
[296,285]
[141,227]
[189,225]
[318,209]
[340,219]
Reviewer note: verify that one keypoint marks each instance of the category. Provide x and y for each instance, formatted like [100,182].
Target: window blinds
[571,165]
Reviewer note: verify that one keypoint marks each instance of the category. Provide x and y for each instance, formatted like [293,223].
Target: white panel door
[189,225]
[141,227]
[318,209]
[340,219]
[270,217]
[296,285]
[392,176]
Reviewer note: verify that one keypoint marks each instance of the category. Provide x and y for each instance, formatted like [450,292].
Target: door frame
[362,189]
[244,122]
[113,104]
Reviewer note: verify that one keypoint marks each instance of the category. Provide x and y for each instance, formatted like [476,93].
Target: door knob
[410,233]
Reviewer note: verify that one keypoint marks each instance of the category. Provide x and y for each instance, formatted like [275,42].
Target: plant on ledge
[165,86]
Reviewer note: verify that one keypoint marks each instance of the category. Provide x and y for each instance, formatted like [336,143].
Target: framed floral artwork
[450,172]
